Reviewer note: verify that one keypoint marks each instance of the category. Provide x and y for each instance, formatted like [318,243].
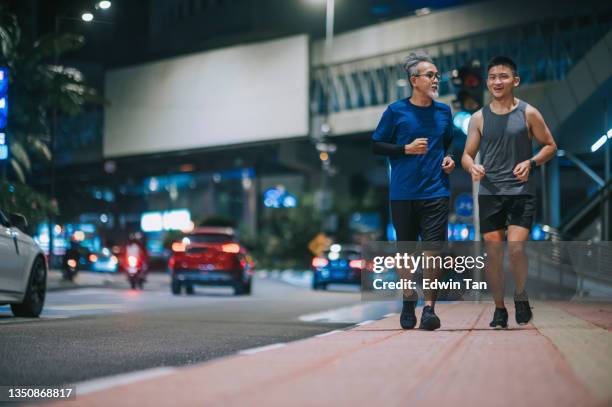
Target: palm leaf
[20,154]
[18,171]
[38,146]
[10,36]
[52,45]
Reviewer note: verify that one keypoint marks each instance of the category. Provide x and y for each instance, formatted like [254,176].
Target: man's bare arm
[542,134]
[471,148]
[539,130]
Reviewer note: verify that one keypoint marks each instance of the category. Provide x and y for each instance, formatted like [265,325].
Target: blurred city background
[228,142]
[163,115]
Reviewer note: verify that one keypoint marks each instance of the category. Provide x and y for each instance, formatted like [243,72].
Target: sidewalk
[298,278]
[563,359]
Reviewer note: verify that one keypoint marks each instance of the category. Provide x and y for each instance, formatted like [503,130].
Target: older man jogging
[415,134]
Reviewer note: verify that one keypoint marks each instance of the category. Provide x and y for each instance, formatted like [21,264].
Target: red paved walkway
[560,360]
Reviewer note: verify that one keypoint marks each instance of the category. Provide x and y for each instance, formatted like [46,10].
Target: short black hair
[501,60]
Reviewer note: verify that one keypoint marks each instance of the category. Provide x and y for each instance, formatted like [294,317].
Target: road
[90,333]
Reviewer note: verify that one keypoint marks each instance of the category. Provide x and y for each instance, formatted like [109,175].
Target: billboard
[234,95]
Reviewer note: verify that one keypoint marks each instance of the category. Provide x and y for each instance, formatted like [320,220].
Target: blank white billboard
[235,95]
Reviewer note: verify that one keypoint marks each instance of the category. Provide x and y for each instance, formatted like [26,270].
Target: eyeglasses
[430,75]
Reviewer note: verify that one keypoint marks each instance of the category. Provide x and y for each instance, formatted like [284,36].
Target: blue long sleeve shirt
[416,177]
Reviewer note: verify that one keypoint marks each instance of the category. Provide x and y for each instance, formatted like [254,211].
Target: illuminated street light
[461,120]
[87,17]
[601,141]
[104,5]
[422,11]
[317,2]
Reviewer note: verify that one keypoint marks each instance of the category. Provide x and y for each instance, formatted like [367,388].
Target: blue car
[341,264]
[103,261]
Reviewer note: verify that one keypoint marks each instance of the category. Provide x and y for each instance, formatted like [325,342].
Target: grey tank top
[504,143]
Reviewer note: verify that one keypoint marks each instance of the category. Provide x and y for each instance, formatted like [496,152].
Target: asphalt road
[91,333]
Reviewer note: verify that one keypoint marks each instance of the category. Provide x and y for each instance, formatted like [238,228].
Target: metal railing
[544,52]
[601,197]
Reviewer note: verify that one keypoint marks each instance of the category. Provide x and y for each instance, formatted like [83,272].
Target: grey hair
[412,60]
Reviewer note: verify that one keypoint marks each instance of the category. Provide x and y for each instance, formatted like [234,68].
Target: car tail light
[357,264]
[231,248]
[132,261]
[171,263]
[319,262]
[178,247]
[93,258]
[72,263]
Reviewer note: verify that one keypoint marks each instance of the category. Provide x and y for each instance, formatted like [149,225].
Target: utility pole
[606,203]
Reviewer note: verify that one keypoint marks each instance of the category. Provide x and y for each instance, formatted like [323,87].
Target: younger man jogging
[415,134]
[503,132]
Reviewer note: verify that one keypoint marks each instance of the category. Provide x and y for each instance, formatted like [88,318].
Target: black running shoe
[523,309]
[429,319]
[500,319]
[408,318]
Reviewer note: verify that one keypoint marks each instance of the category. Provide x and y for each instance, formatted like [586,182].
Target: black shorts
[499,211]
[427,218]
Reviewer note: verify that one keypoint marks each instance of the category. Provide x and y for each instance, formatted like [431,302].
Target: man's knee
[516,252]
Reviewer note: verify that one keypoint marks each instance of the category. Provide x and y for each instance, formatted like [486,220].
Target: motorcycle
[71,267]
[136,271]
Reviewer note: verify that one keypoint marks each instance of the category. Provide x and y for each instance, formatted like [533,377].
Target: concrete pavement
[563,359]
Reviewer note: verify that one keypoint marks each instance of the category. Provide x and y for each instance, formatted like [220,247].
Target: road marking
[104,383]
[351,314]
[91,291]
[262,349]
[83,307]
[328,333]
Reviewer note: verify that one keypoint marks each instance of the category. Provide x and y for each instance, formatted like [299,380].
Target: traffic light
[469,86]
[4,79]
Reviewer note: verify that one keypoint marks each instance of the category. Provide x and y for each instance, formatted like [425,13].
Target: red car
[210,256]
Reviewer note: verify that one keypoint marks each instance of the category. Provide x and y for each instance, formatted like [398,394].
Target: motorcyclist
[136,248]
[72,253]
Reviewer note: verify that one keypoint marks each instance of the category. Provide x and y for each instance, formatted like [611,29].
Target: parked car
[23,268]
[341,264]
[210,256]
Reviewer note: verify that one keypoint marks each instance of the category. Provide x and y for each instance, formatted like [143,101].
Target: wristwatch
[532,163]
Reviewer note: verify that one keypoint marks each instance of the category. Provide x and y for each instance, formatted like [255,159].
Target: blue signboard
[4,78]
[279,198]
[464,205]
[4,153]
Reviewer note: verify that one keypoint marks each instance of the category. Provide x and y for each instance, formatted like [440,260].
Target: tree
[37,87]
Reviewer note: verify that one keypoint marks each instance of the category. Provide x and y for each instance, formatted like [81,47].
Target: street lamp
[104,5]
[329,45]
[324,149]
[86,17]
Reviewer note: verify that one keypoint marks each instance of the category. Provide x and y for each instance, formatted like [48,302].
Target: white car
[23,269]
